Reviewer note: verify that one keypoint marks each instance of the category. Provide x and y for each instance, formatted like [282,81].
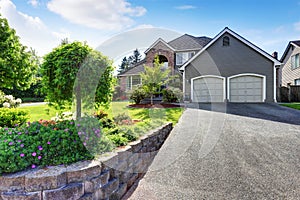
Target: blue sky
[42,24]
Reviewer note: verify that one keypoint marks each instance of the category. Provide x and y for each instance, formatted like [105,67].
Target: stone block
[119,193]
[21,196]
[125,176]
[107,190]
[13,182]
[94,184]
[71,192]
[46,179]
[81,171]
[88,196]
[124,153]
[132,180]
[136,147]
[133,159]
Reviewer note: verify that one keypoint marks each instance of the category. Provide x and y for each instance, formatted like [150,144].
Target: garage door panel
[247,88]
[208,89]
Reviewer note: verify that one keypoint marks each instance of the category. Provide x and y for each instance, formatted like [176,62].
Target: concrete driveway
[250,152]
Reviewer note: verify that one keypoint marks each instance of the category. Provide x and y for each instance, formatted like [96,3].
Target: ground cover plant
[42,143]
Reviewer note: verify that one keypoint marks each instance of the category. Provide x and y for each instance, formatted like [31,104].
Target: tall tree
[136,57]
[77,70]
[17,65]
[124,65]
[154,77]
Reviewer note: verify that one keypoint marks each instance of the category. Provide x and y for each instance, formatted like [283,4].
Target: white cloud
[34,3]
[31,30]
[297,26]
[185,7]
[103,15]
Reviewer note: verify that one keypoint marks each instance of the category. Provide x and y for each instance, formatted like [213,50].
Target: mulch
[161,105]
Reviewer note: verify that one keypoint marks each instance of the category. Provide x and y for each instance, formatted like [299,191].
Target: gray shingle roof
[186,42]
[135,70]
[297,42]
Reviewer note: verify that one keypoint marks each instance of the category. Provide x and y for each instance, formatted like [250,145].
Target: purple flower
[22,154]
[19,133]
[66,130]
[48,142]
[33,166]
[22,145]
[79,133]
[9,133]
[5,140]
[19,141]
[6,129]
[40,148]
[16,125]
[33,154]
[71,122]
[11,143]
[40,157]
[28,123]
[84,144]
[78,125]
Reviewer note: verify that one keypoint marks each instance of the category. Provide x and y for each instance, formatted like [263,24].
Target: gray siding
[235,59]
[287,74]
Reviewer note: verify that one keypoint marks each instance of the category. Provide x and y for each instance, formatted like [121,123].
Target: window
[295,60]
[132,81]
[297,81]
[182,57]
[226,41]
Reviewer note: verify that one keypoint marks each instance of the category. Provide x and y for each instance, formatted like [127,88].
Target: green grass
[292,105]
[167,115]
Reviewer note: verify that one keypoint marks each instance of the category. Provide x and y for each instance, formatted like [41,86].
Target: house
[173,54]
[230,68]
[289,73]
[227,68]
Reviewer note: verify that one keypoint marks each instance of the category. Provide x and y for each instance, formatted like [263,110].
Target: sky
[117,27]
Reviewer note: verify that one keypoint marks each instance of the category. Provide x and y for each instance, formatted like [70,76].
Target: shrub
[12,117]
[100,114]
[138,94]
[118,139]
[172,95]
[8,101]
[51,143]
[123,119]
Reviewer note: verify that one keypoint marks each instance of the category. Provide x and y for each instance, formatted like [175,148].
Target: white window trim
[248,74]
[208,76]
[292,63]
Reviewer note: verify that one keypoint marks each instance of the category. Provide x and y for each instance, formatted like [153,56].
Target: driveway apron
[219,155]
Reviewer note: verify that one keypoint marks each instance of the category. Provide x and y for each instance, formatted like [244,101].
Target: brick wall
[108,177]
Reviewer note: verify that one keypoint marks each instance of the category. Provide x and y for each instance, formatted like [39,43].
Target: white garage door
[208,89]
[246,88]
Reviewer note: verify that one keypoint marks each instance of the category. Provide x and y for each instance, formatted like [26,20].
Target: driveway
[250,152]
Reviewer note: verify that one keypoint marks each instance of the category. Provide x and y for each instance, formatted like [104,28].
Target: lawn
[292,105]
[168,114]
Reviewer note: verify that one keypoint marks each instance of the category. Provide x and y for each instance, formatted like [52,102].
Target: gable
[237,37]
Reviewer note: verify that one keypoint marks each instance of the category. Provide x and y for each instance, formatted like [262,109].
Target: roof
[135,70]
[295,43]
[189,42]
[157,41]
[237,36]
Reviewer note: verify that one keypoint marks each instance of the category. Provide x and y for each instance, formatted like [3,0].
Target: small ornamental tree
[154,77]
[17,65]
[74,70]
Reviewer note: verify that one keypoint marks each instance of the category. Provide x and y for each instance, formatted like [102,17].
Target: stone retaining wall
[108,177]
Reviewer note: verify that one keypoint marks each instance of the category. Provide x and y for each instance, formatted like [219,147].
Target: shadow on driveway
[266,111]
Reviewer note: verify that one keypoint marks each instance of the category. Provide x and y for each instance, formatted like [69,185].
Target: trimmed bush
[138,94]
[123,119]
[10,117]
[172,95]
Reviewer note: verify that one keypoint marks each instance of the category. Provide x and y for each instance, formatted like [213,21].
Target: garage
[246,88]
[208,89]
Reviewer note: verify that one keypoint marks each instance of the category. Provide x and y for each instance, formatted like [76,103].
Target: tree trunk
[78,102]
[151,97]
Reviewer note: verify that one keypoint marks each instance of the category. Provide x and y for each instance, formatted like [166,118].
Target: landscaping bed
[160,105]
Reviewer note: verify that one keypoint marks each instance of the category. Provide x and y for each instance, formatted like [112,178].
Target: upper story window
[297,81]
[295,61]
[226,41]
[182,57]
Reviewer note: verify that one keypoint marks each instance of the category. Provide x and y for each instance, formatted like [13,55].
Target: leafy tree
[77,71]
[154,77]
[17,65]
[130,61]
